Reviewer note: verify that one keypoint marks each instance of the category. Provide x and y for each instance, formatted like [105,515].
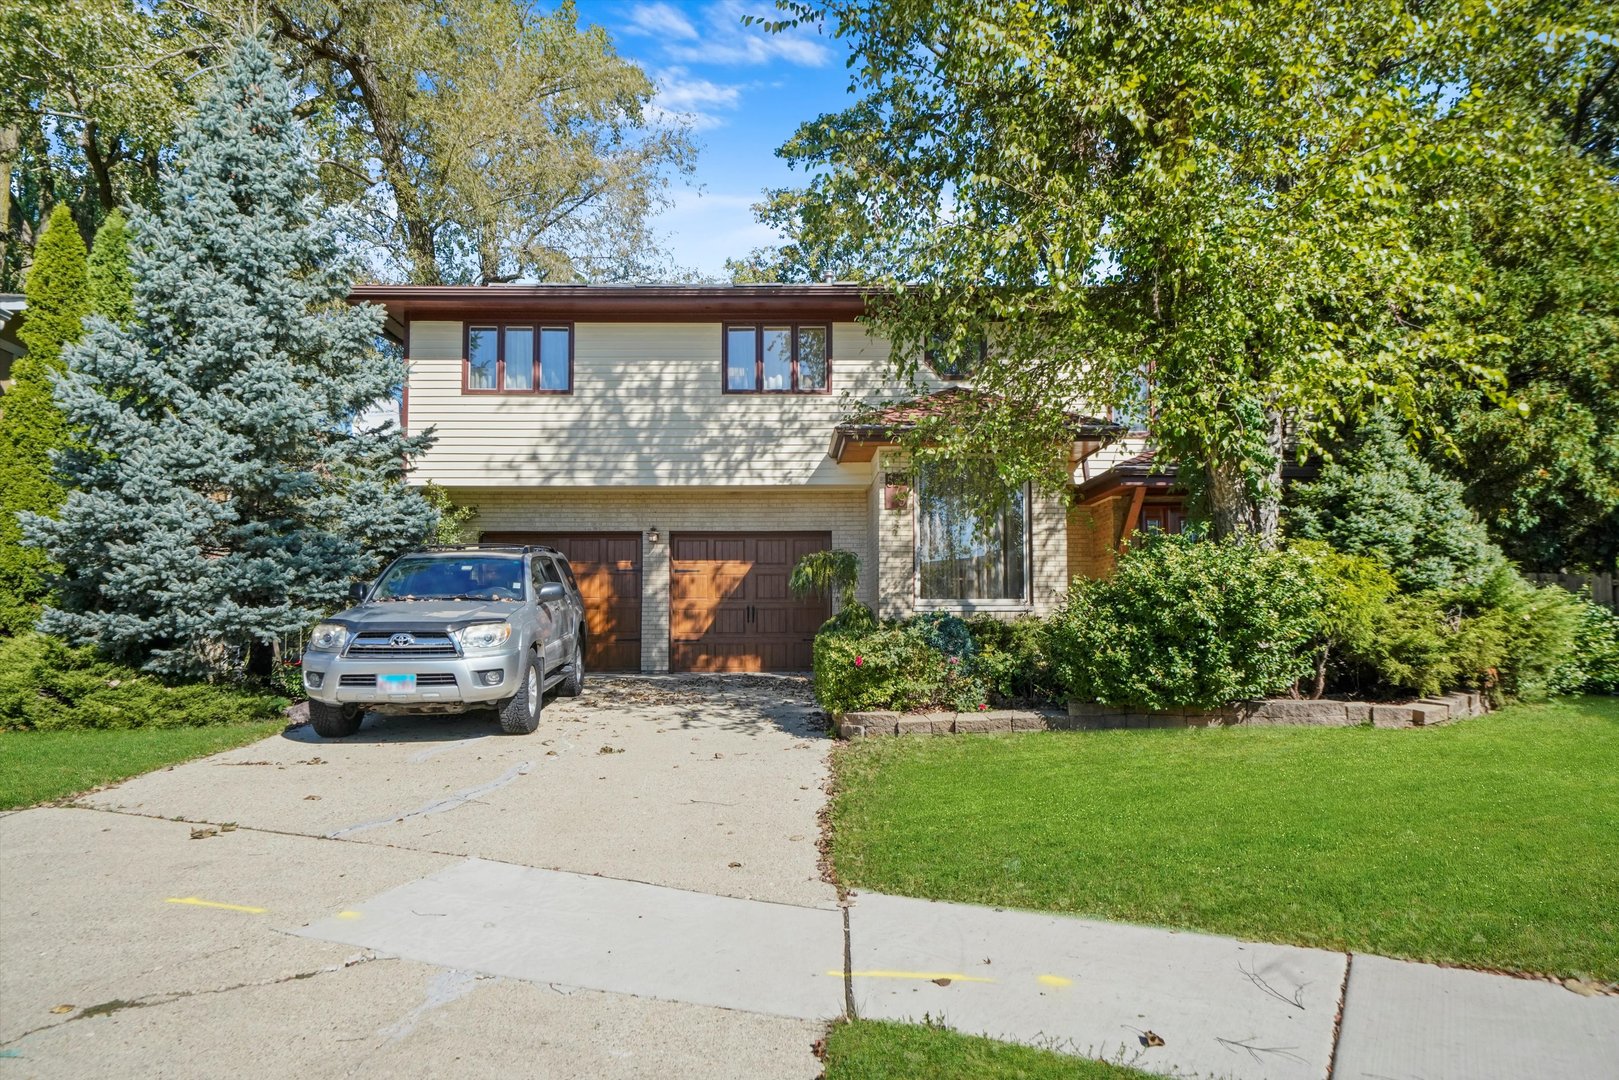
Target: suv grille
[426,678]
[380,644]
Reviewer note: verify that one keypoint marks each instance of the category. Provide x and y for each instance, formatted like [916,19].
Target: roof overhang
[617,303]
[861,437]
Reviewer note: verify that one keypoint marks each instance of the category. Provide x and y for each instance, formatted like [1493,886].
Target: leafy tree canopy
[94,93]
[1262,212]
[225,496]
[462,140]
[483,140]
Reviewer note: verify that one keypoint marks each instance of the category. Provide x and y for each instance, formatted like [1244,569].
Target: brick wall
[1093,532]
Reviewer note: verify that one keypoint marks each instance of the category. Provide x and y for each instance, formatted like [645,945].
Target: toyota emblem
[400,641]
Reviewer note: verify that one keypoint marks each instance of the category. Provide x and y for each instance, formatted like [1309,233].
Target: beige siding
[842,512]
[647,410]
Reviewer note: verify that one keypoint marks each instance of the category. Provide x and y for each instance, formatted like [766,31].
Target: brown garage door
[608,566]
[729,606]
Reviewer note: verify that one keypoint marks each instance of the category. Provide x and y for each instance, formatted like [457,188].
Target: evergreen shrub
[47,686]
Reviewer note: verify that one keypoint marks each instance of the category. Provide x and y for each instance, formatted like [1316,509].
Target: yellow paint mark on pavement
[348,915]
[1054,980]
[194,902]
[926,976]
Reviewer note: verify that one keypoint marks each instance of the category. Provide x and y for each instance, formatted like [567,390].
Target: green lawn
[876,1050]
[1491,842]
[38,766]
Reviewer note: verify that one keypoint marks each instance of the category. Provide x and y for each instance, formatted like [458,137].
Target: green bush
[1187,622]
[1596,651]
[890,667]
[46,686]
[1525,634]
[1375,641]
[1011,659]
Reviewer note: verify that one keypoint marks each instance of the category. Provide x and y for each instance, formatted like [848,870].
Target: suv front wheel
[334,721]
[521,715]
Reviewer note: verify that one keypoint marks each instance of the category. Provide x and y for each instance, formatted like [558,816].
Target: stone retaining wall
[1084,716]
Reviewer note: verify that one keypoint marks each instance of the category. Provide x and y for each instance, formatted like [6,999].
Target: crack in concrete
[148,1001]
[1338,1018]
[848,968]
[439,806]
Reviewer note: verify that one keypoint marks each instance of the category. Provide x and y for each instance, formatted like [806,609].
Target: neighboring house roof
[12,306]
[859,437]
[1143,471]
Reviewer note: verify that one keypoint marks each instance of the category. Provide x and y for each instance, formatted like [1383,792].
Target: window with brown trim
[518,358]
[778,358]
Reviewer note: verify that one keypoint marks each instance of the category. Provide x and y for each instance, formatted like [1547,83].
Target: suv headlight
[487,635]
[328,637]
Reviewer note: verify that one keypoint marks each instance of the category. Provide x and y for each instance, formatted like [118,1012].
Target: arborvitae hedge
[31,425]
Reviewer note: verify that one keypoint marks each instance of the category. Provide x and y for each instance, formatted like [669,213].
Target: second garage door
[608,566]
[729,605]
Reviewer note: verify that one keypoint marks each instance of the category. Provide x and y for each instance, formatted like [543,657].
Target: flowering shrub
[890,667]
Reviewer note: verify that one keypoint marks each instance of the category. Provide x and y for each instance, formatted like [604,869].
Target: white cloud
[695,101]
[659,20]
[722,39]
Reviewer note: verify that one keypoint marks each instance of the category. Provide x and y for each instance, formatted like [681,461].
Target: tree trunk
[1241,503]
[417,230]
[260,660]
[10,144]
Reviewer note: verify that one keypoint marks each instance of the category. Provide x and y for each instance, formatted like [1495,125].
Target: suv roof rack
[523,548]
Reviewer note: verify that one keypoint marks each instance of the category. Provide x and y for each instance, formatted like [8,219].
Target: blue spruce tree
[223,495]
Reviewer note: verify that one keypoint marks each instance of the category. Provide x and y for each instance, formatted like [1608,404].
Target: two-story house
[686,445]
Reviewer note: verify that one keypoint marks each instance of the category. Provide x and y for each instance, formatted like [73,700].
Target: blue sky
[742,90]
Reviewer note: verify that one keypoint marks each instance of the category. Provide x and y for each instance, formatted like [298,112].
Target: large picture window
[778,358]
[518,358]
[962,556]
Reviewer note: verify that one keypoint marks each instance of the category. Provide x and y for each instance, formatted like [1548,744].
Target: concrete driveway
[129,947]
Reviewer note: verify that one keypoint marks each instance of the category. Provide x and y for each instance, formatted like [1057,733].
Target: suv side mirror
[357,592]
[551,592]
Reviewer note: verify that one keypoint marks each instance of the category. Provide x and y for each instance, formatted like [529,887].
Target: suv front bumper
[440,681]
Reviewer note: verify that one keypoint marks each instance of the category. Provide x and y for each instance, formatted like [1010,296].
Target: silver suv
[447,630]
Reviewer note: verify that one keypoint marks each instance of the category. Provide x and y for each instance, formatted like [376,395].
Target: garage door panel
[608,568]
[770,586]
[749,620]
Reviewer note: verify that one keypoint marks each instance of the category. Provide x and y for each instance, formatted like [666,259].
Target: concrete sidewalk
[1180,1004]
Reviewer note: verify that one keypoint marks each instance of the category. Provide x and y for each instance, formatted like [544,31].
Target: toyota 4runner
[448,630]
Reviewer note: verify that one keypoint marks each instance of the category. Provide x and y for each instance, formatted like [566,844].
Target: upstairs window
[778,358]
[954,362]
[518,358]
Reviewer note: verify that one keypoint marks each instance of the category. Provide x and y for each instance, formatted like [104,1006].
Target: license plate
[396,684]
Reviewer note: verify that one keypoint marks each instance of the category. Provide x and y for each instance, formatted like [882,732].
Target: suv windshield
[470,578]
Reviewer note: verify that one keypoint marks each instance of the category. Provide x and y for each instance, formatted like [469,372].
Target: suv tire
[521,714]
[334,721]
[574,684]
